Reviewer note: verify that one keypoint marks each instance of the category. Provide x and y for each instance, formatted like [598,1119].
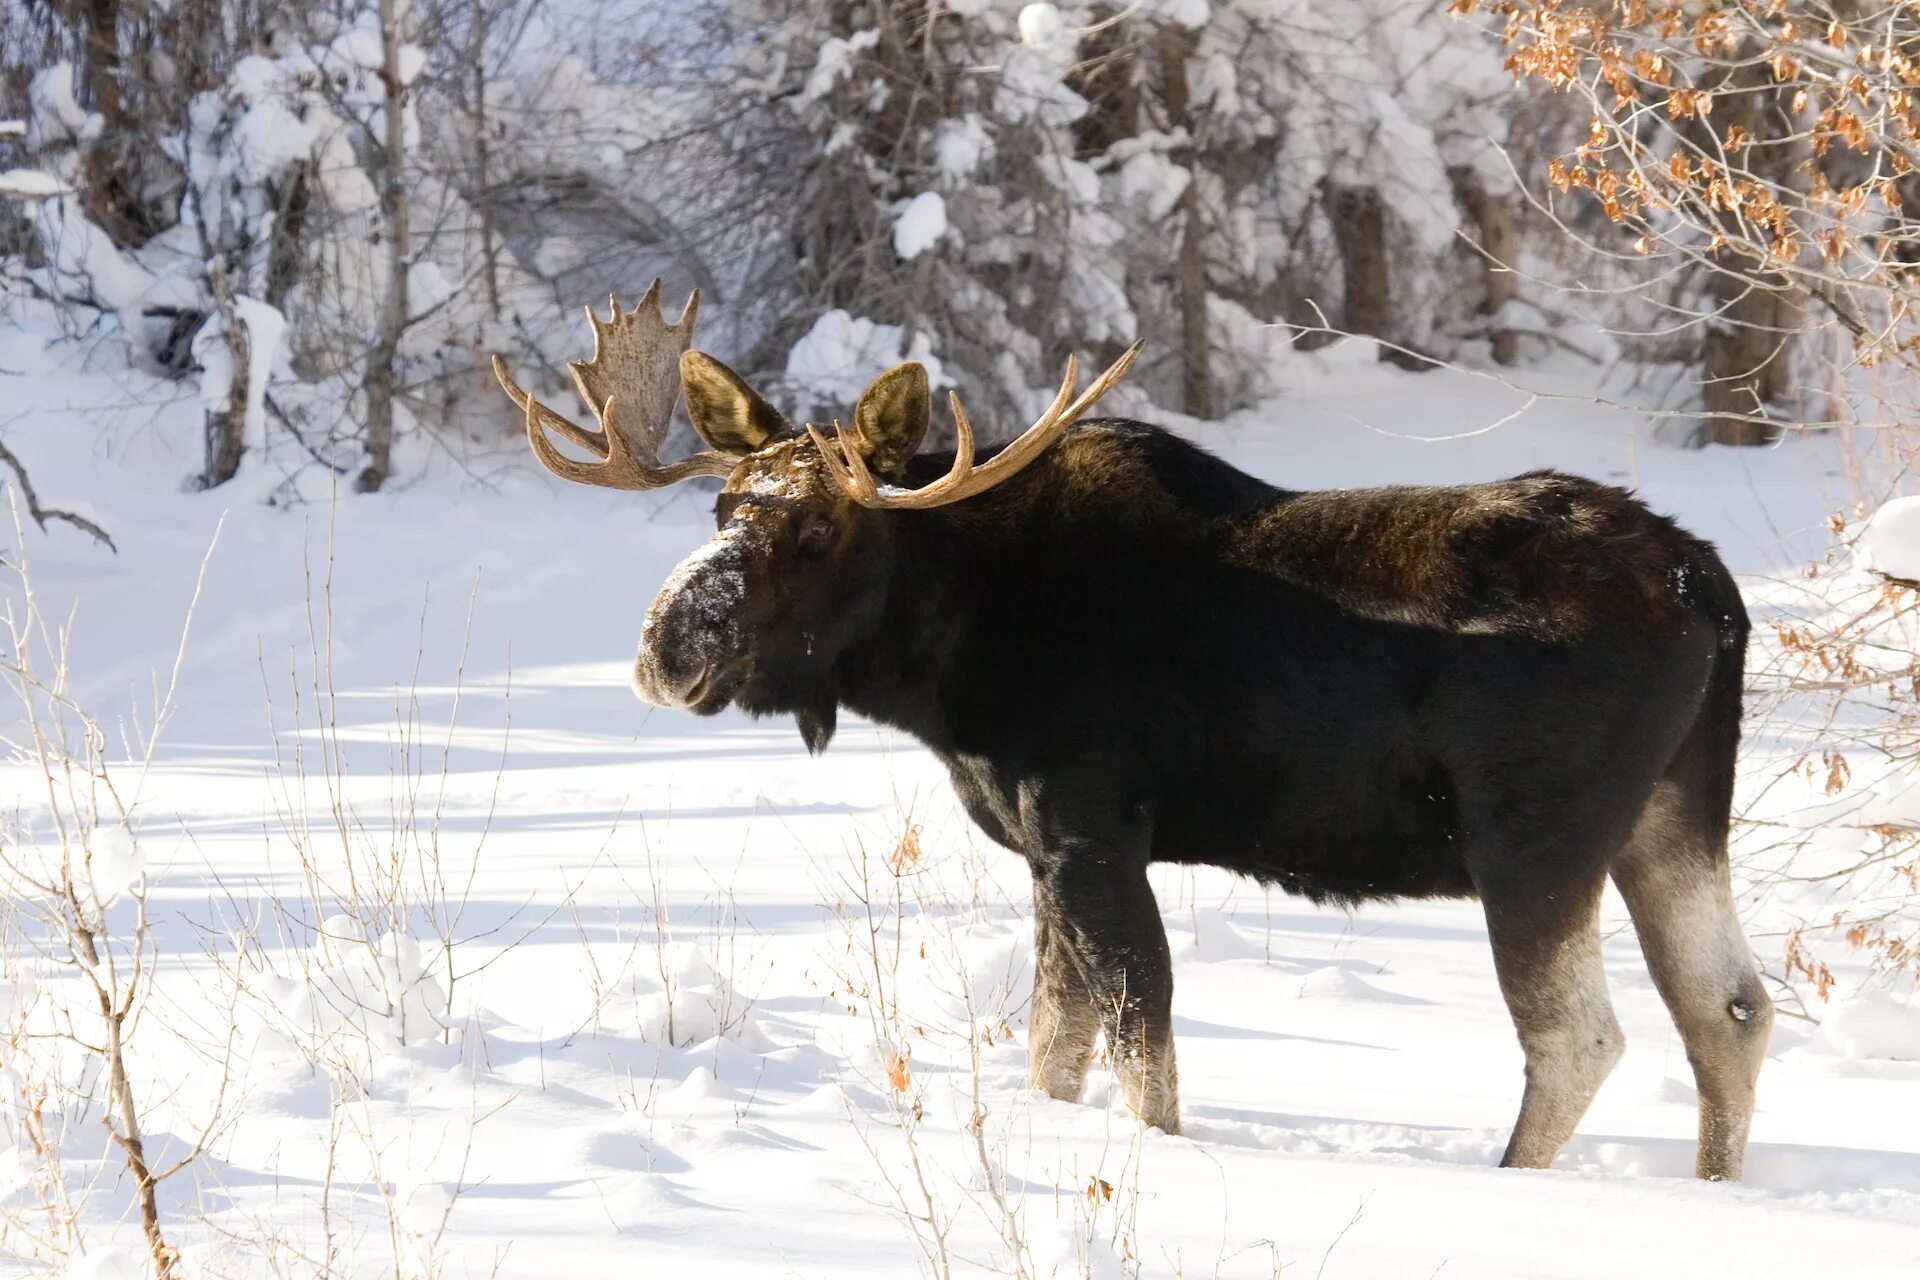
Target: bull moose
[1126,651]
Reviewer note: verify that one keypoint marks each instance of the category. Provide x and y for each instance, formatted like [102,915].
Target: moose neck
[1109,490]
[902,673]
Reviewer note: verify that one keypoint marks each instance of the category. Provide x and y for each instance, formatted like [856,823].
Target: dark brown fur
[1544,555]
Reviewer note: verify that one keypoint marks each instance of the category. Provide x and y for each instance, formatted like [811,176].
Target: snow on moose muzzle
[692,652]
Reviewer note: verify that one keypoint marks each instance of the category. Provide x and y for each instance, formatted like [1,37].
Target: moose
[1126,651]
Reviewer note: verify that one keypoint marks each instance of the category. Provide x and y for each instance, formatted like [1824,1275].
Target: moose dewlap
[1126,651]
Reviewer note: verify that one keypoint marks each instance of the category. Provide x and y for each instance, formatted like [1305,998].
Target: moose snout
[665,684]
[674,662]
[690,643]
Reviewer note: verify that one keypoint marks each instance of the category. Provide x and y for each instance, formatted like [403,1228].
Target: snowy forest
[217,190]
[355,920]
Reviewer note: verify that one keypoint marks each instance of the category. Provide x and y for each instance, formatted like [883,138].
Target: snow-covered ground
[708,1016]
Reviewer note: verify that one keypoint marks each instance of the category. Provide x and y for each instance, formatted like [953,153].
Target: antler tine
[1050,426]
[539,416]
[963,479]
[1105,382]
[832,462]
[850,474]
[962,432]
[858,479]
[631,385]
[592,441]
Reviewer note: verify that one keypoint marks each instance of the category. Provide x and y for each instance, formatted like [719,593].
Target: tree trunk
[482,158]
[1196,348]
[1360,229]
[103,61]
[123,1124]
[1744,352]
[226,426]
[1499,247]
[1107,74]
[1742,344]
[289,228]
[393,316]
[107,197]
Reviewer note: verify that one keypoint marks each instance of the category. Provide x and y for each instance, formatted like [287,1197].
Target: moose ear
[891,419]
[729,415]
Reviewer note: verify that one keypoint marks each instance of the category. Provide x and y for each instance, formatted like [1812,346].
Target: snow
[1890,543]
[558,254]
[57,117]
[1188,13]
[961,145]
[84,264]
[836,358]
[31,184]
[653,1036]
[272,133]
[253,79]
[266,338]
[836,61]
[1040,25]
[1154,182]
[361,44]
[413,60]
[1033,86]
[1875,1024]
[114,863]
[360,1000]
[920,224]
[114,1263]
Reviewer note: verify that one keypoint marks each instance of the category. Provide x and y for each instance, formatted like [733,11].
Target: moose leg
[1105,914]
[1065,1019]
[1546,950]
[1681,900]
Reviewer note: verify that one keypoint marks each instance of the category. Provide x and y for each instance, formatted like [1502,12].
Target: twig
[42,514]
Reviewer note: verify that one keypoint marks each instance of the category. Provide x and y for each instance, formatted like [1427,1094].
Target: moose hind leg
[1064,1020]
[1546,950]
[1677,889]
[1108,917]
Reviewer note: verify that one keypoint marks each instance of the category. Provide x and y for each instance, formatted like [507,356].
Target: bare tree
[226,424]
[393,323]
[1496,220]
[1360,227]
[1196,350]
[61,882]
[1759,155]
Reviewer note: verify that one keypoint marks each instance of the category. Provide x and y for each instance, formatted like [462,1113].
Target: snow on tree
[991,183]
[31,184]
[1189,171]
[1890,542]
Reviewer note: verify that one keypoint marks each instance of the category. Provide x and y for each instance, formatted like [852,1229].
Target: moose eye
[816,530]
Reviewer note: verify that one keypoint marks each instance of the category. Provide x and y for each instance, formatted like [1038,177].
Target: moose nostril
[690,691]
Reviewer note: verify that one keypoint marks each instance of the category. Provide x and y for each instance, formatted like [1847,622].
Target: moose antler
[631,385]
[849,469]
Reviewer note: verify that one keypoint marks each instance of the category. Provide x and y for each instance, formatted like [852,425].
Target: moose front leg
[1101,957]
[1065,1019]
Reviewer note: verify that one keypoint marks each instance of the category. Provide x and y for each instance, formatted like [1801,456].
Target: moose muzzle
[692,647]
